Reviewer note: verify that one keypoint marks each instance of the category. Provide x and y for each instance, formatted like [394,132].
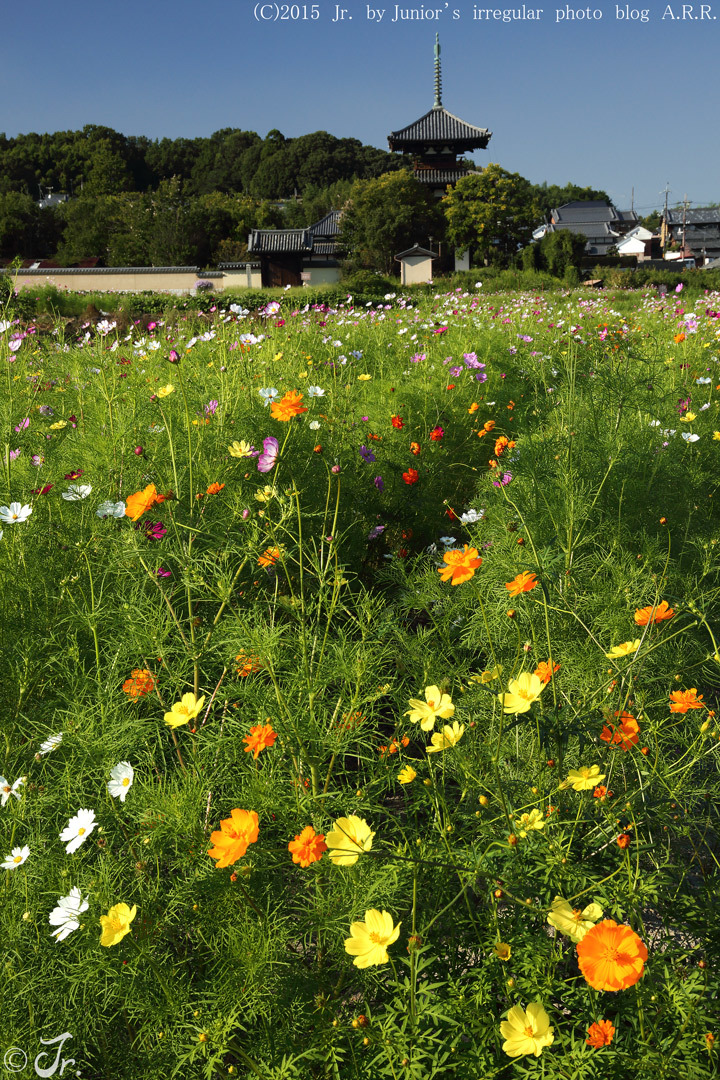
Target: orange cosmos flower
[411,476]
[625,734]
[307,847]
[436,434]
[500,445]
[249,664]
[601,793]
[269,556]
[489,425]
[611,956]
[474,407]
[623,841]
[260,738]
[682,700]
[139,684]
[215,488]
[678,338]
[138,504]
[288,406]
[236,833]
[397,422]
[543,671]
[647,614]
[522,583]
[600,1034]
[461,565]
[415,448]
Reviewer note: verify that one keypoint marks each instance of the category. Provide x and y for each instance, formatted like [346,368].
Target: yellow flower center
[7,788]
[17,859]
[125,781]
[81,832]
[529,1032]
[431,705]
[375,938]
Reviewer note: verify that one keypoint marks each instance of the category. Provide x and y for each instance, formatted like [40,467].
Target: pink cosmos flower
[267,459]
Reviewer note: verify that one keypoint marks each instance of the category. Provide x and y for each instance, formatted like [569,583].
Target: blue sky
[607,102]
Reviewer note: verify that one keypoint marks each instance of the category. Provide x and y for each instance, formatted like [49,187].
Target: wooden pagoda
[437,139]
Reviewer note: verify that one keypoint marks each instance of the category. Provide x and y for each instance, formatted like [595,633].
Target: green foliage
[308,598]
[492,212]
[385,216]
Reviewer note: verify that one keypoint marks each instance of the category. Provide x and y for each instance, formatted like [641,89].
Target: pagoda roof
[440,126]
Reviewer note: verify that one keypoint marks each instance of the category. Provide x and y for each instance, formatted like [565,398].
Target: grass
[566,438]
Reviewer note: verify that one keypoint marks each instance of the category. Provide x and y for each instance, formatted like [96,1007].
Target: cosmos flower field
[361,671]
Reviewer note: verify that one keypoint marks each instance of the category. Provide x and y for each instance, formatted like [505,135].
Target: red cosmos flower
[415,448]
[436,434]
[411,476]
[43,490]
[397,422]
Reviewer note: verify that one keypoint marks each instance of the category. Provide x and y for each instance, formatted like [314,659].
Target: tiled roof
[277,241]
[95,270]
[443,176]
[693,217]
[576,212]
[439,126]
[325,247]
[328,225]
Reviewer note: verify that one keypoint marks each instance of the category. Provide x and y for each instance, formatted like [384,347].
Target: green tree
[383,217]
[492,213]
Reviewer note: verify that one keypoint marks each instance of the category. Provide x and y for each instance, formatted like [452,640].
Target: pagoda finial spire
[438,77]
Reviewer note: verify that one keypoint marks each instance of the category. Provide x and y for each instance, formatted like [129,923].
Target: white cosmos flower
[75,492]
[689,437]
[7,789]
[315,391]
[110,509]
[313,425]
[472,516]
[121,778]
[51,744]
[78,829]
[17,858]
[66,915]
[14,512]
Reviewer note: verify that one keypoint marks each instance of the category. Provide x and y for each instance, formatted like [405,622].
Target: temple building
[437,139]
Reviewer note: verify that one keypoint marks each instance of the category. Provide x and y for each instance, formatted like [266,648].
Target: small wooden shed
[416,265]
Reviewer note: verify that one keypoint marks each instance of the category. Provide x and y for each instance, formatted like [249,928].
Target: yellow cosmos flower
[184,711]
[449,736]
[364,378]
[526,1032]
[266,494]
[58,425]
[406,775]
[348,839]
[522,693]
[240,449]
[625,649]
[116,924]
[435,705]
[277,356]
[369,940]
[165,391]
[584,779]
[573,922]
[532,822]
[502,950]
[689,417]
[716,435]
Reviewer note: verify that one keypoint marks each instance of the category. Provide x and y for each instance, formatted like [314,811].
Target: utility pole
[664,230]
[684,220]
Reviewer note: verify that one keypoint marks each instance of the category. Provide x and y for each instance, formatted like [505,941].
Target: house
[691,234]
[641,243]
[601,224]
[298,256]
